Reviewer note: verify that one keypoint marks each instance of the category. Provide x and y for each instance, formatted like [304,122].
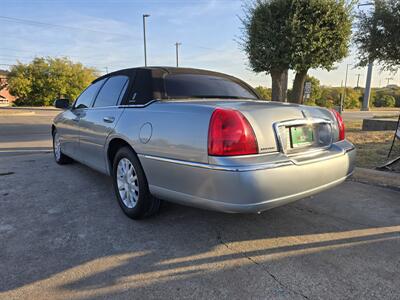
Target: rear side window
[205,86]
[112,91]
[85,99]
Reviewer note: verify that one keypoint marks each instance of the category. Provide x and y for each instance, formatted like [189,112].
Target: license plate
[301,136]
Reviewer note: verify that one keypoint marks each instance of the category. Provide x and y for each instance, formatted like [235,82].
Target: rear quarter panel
[168,130]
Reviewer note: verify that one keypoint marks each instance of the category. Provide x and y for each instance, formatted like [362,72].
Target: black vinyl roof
[147,83]
[161,71]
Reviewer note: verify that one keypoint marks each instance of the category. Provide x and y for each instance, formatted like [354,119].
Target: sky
[108,35]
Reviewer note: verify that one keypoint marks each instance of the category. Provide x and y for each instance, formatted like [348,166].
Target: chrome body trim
[350,149]
[295,122]
[137,105]
[263,166]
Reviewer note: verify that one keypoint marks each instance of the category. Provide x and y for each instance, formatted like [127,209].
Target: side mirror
[61,103]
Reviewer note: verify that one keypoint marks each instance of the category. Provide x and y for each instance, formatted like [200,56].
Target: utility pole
[388,80]
[367,91]
[358,80]
[106,70]
[345,83]
[177,53]
[341,99]
[144,38]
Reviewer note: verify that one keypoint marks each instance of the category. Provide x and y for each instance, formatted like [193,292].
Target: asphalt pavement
[63,236]
[360,115]
[25,131]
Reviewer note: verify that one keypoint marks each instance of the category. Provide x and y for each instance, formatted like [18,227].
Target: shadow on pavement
[63,234]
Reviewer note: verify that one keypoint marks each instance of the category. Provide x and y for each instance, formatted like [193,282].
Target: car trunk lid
[288,128]
[285,127]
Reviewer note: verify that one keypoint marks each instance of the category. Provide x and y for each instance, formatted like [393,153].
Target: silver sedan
[200,138]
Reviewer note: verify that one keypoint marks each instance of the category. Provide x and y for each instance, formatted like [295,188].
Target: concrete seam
[274,277]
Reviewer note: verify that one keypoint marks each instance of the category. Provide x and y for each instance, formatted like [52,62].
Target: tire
[59,157]
[131,187]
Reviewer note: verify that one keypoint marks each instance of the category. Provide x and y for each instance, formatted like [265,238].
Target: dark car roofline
[155,81]
[165,69]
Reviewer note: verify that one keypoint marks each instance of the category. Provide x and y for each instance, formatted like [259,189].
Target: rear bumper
[248,188]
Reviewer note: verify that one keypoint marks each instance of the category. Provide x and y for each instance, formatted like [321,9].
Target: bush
[324,102]
[265,93]
[384,101]
[397,101]
[45,79]
[29,102]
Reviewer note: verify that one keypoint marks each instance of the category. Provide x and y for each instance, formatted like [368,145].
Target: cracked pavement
[63,236]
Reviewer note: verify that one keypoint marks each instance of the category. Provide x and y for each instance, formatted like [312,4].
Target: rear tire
[59,157]
[131,187]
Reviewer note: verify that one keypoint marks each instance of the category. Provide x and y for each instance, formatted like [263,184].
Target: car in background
[200,138]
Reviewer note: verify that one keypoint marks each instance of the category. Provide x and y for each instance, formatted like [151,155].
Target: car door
[99,120]
[68,126]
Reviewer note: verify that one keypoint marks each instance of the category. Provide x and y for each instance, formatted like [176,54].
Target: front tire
[59,157]
[131,187]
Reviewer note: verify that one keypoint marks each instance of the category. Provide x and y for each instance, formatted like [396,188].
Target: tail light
[230,133]
[340,124]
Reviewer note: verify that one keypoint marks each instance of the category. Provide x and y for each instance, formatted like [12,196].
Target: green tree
[378,34]
[383,101]
[330,97]
[267,41]
[295,34]
[321,37]
[265,93]
[353,98]
[46,79]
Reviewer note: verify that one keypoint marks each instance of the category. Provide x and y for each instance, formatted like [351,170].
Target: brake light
[230,133]
[340,124]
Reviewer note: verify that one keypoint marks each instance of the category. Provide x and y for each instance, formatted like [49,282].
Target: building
[6,99]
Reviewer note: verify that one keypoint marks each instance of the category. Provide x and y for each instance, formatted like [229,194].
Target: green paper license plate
[301,136]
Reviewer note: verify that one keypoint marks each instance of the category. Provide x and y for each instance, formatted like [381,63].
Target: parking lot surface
[63,236]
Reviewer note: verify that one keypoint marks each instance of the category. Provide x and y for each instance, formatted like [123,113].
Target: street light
[177,53]
[144,38]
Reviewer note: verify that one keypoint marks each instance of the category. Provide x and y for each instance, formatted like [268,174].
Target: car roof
[148,82]
[162,70]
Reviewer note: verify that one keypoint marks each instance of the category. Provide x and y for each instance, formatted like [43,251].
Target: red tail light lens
[230,134]
[340,124]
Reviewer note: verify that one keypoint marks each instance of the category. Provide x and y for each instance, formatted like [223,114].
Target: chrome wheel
[57,147]
[127,182]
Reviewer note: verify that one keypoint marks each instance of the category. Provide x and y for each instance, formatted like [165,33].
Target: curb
[381,178]
[41,108]
[28,113]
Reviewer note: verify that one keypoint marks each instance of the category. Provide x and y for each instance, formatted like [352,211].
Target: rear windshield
[205,86]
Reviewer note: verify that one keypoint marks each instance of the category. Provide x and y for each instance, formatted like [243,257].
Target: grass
[372,146]
[386,117]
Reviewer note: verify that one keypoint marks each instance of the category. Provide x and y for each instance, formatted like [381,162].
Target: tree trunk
[298,87]
[279,85]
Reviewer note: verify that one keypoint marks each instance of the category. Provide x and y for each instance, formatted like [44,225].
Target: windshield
[205,86]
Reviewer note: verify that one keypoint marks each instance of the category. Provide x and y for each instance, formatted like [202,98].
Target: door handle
[108,119]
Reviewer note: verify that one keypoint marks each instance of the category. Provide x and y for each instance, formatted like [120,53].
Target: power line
[205,48]
[18,50]
[43,24]
[16,57]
